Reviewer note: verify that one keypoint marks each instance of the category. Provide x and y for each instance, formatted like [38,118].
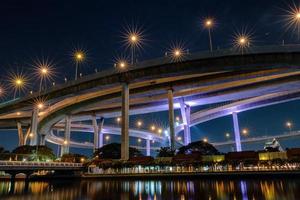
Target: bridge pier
[66,145]
[237,135]
[171,118]
[186,115]
[148,147]
[100,128]
[125,123]
[20,133]
[98,135]
[34,125]
[42,139]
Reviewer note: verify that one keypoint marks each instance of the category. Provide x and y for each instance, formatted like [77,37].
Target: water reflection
[153,189]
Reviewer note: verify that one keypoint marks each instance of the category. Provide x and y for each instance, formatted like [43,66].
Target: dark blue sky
[35,29]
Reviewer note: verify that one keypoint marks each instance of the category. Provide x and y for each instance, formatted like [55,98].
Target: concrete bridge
[28,167]
[162,84]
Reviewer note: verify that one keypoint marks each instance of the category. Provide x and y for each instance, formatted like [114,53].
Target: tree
[204,148]
[40,153]
[166,152]
[73,158]
[113,151]
[4,154]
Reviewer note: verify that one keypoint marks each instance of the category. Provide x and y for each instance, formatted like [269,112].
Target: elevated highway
[162,84]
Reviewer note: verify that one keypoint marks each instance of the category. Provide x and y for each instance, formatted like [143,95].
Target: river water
[182,189]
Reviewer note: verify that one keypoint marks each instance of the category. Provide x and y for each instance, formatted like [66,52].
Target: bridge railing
[39,164]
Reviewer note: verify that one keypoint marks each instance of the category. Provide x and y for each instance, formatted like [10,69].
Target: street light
[205,140]
[242,41]
[139,140]
[78,56]
[292,18]
[43,70]
[208,24]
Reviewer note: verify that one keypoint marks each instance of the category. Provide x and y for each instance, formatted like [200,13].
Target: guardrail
[40,164]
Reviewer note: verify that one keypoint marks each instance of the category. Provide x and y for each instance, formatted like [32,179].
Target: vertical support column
[42,139]
[96,136]
[148,149]
[66,145]
[34,124]
[171,118]
[20,133]
[236,132]
[185,114]
[125,123]
[100,128]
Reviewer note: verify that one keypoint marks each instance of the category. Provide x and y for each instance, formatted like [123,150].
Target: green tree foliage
[37,153]
[166,152]
[113,151]
[4,154]
[73,158]
[201,147]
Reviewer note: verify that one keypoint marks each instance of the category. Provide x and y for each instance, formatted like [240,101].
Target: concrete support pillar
[20,134]
[34,125]
[148,148]
[66,145]
[171,118]
[186,116]
[125,123]
[237,135]
[100,131]
[98,135]
[42,139]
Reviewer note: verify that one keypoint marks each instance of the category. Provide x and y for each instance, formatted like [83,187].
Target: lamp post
[208,24]
[78,57]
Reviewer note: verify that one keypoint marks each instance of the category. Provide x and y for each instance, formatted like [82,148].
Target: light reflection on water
[153,189]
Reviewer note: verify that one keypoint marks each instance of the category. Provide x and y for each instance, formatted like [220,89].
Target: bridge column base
[237,135]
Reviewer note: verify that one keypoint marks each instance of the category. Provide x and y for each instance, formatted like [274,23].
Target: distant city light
[289,125]
[139,123]
[107,137]
[245,131]
[118,119]
[152,128]
[227,135]
[159,131]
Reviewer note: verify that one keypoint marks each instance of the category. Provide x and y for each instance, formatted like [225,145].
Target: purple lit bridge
[227,80]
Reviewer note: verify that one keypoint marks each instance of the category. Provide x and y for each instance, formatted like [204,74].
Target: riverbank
[203,175]
[223,175]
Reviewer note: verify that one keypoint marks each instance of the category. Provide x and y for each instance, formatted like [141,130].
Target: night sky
[31,30]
